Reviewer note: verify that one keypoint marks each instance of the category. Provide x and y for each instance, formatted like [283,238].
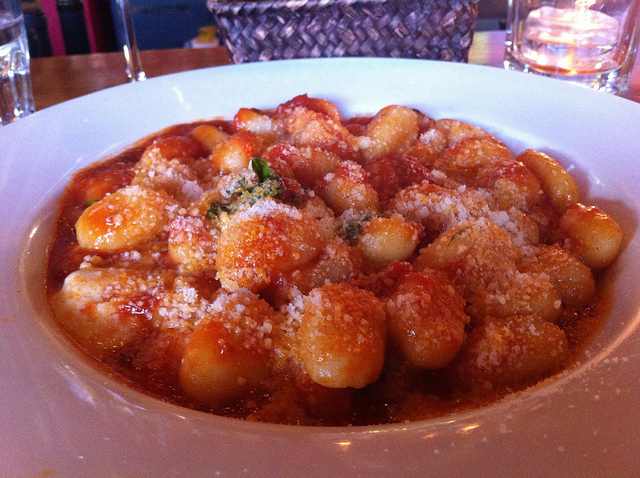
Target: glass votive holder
[16,98]
[588,42]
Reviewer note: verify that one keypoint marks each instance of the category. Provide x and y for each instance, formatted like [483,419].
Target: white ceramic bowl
[60,416]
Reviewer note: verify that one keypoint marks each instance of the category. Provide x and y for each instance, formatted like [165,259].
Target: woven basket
[285,29]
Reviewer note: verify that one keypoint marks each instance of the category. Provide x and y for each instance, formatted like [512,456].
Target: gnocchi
[227,353]
[384,240]
[393,129]
[516,350]
[128,217]
[592,234]
[341,338]
[557,183]
[264,240]
[292,266]
[426,318]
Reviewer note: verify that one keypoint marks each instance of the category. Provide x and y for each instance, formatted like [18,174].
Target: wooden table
[58,79]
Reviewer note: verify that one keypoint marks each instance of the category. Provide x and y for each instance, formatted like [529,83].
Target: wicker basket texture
[427,29]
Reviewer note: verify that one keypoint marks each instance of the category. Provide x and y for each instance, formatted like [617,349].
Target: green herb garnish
[215,209]
[90,203]
[456,235]
[352,231]
[262,170]
[269,185]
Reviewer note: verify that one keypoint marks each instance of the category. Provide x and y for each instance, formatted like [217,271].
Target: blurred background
[71,27]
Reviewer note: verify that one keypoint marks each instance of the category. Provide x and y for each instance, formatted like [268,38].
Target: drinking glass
[589,42]
[16,98]
[134,69]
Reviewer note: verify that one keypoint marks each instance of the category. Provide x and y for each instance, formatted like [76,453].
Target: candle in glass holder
[592,43]
[570,41]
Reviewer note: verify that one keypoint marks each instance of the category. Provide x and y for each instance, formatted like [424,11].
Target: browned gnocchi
[292,266]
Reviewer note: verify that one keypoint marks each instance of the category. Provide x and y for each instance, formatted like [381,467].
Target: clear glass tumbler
[16,97]
[589,42]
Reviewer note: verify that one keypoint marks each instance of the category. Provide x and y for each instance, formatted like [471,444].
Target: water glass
[127,38]
[589,42]
[16,98]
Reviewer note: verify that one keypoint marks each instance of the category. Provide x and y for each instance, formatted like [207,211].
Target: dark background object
[37,33]
[167,23]
[74,28]
[492,15]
